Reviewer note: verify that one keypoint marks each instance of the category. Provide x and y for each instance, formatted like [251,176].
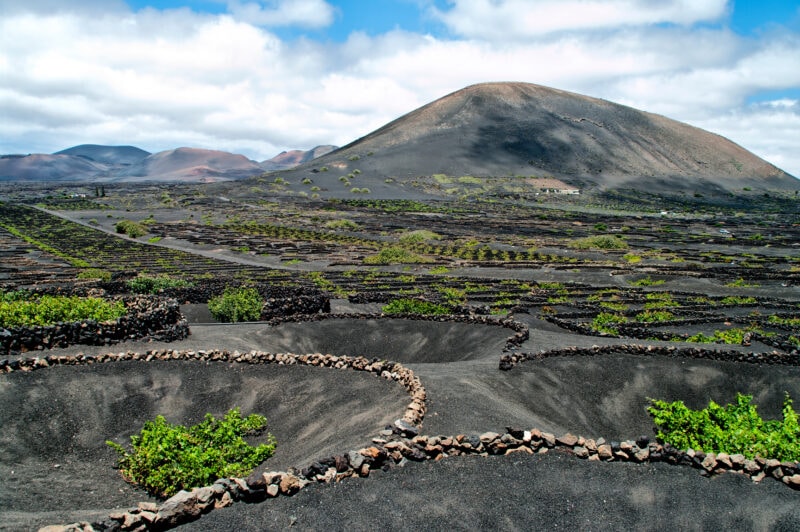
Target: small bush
[605,322]
[95,273]
[414,306]
[733,428]
[599,242]
[419,236]
[647,281]
[342,224]
[130,228]
[396,255]
[152,284]
[654,316]
[236,304]
[166,458]
[44,310]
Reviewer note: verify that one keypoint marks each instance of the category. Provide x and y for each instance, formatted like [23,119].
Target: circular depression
[404,341]
[57,468]
[595,396]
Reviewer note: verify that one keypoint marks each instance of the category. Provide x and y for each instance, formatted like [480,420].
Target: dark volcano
[502,129]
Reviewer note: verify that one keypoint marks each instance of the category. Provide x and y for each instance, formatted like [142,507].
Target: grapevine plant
[735,428]
[167,458]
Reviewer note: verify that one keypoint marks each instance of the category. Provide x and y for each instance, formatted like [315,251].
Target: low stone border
[401,445]
[186,506]
[401,442]
[147,317]
[508,361]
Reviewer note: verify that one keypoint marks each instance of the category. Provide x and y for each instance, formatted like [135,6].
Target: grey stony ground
[316,412]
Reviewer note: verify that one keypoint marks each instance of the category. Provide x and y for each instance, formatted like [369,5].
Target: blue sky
[261,76]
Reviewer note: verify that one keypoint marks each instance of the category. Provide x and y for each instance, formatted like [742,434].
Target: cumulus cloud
[504,19]
[304,13]
[162,79]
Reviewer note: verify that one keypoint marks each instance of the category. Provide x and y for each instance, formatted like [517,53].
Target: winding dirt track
[57,469]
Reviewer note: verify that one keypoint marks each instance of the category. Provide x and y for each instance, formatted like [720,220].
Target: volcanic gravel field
[55,420]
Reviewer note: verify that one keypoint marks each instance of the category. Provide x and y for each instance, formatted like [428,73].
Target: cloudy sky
[259,77]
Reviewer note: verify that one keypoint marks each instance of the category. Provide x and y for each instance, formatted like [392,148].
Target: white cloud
[304,13]
[504,19]
[162,79]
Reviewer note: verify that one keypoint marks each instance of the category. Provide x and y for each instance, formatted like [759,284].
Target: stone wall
[155,318]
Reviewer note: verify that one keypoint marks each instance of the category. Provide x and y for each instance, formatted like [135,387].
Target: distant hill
[111,155]
[290,159]
[502,129]
[45,167]
[92,162]
[191,164]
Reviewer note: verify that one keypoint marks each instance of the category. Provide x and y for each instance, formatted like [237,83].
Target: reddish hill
[292,158]
[191,164]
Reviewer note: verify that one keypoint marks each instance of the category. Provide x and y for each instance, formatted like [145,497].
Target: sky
[258,77]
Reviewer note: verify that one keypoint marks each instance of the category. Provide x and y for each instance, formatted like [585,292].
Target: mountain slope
[290,159]
[112,155]
[191,164]
[45,167]
[502,129]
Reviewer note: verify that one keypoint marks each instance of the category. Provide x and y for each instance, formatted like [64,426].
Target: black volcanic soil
[56,468]
[56,415]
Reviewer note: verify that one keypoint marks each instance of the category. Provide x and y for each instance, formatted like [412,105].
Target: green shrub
[738,300]
[599,242]
[414,306]
[152,284]
[166,458]
[419,236]
[236,304]
[17,310]
[95,273]
[130,228]
[647,281]
[733,428]
[342,224]
[604,322]
[654,316]
[396,255]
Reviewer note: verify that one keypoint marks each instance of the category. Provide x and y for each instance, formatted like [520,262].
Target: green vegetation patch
[414,306]
[30,311]
[418,236]
[236,304]
[167,458]
[605,322]
[599,242]
[735,428]
[396,255]
[130,228]
[152,284]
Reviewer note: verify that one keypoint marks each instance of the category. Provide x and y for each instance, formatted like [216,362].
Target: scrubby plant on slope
[167,458]
[130,228]
[18,309]
[151,284]
[236,304]
[396,255]
[735,428]
[599,242]
[414,306]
